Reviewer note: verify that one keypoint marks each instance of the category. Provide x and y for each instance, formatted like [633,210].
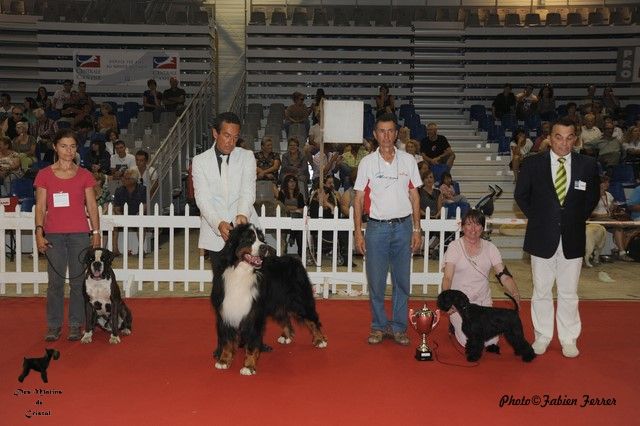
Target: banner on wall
[628,68]
[125,67]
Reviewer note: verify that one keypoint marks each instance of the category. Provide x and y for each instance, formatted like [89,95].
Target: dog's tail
[513,300]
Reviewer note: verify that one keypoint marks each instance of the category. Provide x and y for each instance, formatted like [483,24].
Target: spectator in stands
[296,113]
[604,212]
[5,106]
[111,136]
[316,107]
[435,148]
[29,108]
[546,103]
[598,112]
[352,154]
[148,174]
[617,131]
[631,146]
[326,161]
[103,196]
[107,119]
[315,139]
[348,196]
[42,99]
[448,191]
[328,199]
[121,161]
[70,108]
[412,147]
[295,163]
[526,103]
[152,99]
[293,201]
[25,145]
[9,166]
[132,193]
[84,118]
[15,118]
[98,159]
[545,132]
[590,98]
[404,134]
[572,113]
[174,97]
[520,147]
[267,161]
[589,132]
[62,96]
[504,103]
[607,148]
[610,102]
[430,197]
[44,128]
[83,96]
[384,102]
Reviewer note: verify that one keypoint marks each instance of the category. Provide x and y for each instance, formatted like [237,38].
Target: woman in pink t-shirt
[64,199]
[467,264]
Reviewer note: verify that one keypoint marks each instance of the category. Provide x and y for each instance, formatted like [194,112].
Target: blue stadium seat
[438,170]
[131,108]
[406,110]
[63,124]
[451,209]
[53,114]
[22,188]
[617,190]
[419,133]
[477,111]
[623,173]
[26,205]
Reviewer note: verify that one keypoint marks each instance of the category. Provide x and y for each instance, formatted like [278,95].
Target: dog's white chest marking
[99,291]
[240,290]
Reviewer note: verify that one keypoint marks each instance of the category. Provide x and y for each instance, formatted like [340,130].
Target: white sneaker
[539,347]
[570,350]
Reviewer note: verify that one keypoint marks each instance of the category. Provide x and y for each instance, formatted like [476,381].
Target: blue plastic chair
[22,188]
[623,173]
[53,114]
[26,205]
[477,111]
[617,190]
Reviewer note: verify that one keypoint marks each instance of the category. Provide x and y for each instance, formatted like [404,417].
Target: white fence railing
[164,264]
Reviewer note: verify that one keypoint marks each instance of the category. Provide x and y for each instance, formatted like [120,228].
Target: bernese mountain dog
[251,284]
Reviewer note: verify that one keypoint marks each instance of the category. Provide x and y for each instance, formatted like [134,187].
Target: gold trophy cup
[423,321]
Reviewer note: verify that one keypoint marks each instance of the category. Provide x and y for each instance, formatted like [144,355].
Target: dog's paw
[320,344]
[284,340]
[529,356]
[87,337]
[221,366]
[246,371]
[21,379]
[114,340]
[125,332]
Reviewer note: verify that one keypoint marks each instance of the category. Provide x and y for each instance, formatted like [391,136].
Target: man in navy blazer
[224,193]
[555,236]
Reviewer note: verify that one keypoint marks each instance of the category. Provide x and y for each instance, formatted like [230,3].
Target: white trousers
[565,273]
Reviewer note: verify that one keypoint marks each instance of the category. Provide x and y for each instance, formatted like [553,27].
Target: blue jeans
[388,247]
[65,252]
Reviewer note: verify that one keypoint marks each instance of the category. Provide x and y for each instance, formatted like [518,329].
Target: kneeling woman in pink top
[64,199]
[467,264]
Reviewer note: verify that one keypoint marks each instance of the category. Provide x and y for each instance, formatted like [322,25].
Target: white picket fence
[193,272]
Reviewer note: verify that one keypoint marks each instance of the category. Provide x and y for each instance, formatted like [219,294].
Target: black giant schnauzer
[481,323]
[38,364]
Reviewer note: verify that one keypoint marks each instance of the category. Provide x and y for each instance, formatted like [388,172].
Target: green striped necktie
[561,181]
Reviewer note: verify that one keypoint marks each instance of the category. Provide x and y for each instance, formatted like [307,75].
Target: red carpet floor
[163,374]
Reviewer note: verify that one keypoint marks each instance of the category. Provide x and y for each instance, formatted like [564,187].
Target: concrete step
[486,171]
[480,157]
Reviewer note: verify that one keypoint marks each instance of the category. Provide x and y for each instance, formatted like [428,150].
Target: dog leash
[451,364]
[81,256]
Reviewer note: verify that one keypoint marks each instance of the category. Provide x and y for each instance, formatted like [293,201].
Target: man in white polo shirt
[386,191]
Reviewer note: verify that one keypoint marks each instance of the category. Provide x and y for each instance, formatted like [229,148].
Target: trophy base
[422,355]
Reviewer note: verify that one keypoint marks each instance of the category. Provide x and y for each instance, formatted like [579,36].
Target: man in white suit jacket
[224,202]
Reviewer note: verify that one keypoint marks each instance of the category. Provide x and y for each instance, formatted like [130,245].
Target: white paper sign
[343,121]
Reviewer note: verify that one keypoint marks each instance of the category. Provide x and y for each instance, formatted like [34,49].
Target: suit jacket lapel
[548,180]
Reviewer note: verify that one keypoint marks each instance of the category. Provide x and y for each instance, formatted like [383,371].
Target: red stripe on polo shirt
[367,198]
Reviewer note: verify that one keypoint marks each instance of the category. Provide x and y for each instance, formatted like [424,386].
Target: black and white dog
[481,323]
[103,304]
[39,364]
[251,284]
